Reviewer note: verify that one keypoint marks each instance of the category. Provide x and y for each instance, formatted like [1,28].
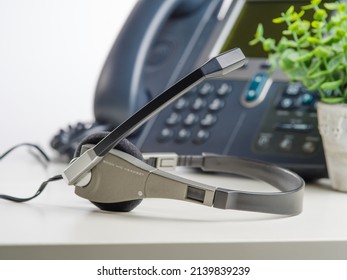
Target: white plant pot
[332,122]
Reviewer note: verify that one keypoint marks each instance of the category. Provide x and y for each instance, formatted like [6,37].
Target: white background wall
[51,54]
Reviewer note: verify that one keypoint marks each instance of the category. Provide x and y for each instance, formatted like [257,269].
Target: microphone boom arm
[215,67]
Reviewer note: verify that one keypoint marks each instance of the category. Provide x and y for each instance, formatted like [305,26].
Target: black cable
[42,186]
[25,144]
[39,191]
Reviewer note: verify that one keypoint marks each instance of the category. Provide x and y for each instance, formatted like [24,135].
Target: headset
[118,179]
[111,172]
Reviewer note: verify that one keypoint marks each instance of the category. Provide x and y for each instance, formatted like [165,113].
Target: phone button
[198,104]
[309,147]
[216,104]
[256,87]
[293,89]
[286,144]
[165,135]
[190,119]
[201,137]
[307,99]
[286,103]
[295,127]
[224,89]
[264,140]
[173,119]
[181,104]
[182,135]
[206,89]
[208,120]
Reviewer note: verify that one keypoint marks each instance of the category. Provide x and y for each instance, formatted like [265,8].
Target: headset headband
[121,177]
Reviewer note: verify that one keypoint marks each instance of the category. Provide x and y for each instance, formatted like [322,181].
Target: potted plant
[313,51]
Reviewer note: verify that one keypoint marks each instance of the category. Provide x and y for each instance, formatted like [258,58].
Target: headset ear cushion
[124,146]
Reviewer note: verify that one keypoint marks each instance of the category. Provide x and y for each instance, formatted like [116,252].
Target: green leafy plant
[312,51]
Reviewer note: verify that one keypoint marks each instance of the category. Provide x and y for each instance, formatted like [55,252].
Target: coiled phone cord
[43,184]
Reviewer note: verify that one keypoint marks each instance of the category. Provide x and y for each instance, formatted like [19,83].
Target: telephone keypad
[288,127]
[194,115]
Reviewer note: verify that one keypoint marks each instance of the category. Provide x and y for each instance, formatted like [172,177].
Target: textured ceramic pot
[332,122]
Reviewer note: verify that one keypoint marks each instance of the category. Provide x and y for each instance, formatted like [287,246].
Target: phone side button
[255,87]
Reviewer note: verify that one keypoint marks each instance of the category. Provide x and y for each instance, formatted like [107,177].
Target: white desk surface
[60,225]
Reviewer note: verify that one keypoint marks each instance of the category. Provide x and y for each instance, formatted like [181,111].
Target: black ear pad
[124,146]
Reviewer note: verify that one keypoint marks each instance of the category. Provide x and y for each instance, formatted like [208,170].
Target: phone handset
[120,90]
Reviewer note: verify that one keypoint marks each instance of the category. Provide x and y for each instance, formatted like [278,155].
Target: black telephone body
[249,114]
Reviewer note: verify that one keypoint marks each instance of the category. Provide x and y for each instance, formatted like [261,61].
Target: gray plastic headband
[121,177]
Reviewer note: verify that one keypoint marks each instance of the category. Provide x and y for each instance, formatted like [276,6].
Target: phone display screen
[253,13]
